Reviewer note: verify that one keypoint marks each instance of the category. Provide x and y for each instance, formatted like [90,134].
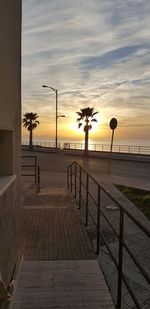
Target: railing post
[35,167]
[75,180]
[80,177]
[71,177]
[68,178]
[38,180]
[87,199]
[121,226]
[98,219]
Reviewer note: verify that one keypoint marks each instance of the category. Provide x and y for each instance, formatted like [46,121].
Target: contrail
[105,94]
[118,87]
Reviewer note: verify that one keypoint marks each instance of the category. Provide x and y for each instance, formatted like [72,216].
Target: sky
[96,53]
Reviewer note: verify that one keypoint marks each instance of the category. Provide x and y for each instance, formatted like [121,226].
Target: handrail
[34,165]
[79,182]
[106,190]
[35,169]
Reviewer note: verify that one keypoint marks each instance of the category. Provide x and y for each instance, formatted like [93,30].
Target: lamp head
[45,86]
[61,116]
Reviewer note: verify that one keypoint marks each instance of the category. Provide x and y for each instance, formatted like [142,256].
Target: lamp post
[56,92]
[60,116]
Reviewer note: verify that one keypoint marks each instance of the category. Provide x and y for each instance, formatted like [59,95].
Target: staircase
[59,268]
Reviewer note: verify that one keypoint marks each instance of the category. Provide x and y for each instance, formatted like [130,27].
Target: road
[54,166]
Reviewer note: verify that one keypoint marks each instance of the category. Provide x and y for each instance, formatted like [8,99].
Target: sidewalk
[59,268]
[124,181]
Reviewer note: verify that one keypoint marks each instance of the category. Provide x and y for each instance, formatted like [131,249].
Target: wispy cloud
[93,52]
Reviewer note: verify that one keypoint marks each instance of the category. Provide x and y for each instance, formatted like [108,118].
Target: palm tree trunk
[86,141]
[30,139]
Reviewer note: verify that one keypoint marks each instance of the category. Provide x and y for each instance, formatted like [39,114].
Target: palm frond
[80,115]
[95,113]
[34,125]
[25,124]
[95,120]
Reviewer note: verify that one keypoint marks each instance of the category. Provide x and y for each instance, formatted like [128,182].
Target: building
[10,136]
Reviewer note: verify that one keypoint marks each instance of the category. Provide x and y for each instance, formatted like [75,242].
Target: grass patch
[140,198]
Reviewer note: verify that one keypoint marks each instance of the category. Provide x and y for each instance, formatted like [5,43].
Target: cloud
[107,59]
[93,52]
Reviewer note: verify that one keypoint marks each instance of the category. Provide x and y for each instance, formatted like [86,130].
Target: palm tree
[86,115]
[30,122]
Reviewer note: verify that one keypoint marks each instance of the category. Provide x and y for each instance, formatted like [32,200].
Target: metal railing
[90,194]
[106,148]
[30,165]
[44,144]
[132,149]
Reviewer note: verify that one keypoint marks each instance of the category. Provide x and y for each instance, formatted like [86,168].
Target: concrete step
[61,284]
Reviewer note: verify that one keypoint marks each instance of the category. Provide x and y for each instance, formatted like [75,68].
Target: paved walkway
[52,227]
[59,268]
[53,173]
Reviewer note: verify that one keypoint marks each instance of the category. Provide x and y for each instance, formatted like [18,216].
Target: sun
[72,126]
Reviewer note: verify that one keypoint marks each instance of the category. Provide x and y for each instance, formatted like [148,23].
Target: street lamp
[61,116]
[57,116]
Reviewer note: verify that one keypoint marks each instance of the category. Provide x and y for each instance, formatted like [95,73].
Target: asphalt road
[54,167]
